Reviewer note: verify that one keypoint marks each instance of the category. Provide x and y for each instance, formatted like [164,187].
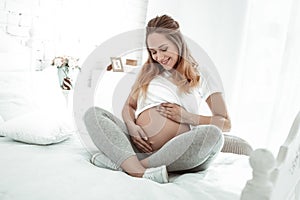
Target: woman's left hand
[174,112]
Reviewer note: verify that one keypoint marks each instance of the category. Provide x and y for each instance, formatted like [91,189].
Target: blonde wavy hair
[185,75]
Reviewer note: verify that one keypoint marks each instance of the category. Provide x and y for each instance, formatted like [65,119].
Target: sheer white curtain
[267,90]
[287,100]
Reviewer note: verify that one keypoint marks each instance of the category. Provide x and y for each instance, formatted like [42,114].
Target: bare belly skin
[158,128]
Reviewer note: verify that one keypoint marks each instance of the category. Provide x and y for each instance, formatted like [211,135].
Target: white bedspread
[63,171]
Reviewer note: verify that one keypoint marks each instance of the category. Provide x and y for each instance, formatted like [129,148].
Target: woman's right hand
[139,137]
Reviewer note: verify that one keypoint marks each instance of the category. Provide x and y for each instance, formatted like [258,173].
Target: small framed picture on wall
[117,65]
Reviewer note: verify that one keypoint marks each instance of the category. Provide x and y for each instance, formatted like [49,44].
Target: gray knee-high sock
[189,149]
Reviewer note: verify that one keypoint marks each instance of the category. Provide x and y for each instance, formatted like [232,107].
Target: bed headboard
[276,179]
[287,172]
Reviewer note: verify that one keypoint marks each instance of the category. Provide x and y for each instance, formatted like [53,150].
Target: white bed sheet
[63,171]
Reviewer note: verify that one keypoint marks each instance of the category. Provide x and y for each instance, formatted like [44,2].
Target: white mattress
[63,171]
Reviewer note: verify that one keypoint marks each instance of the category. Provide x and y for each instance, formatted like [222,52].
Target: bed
[63,171]
[43,156]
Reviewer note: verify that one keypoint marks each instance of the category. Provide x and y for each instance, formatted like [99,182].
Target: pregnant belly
[158,128]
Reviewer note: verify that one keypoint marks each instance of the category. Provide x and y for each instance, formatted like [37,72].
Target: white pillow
[46,90]
[34,97]
[16,96]
[38,127]
[22,92]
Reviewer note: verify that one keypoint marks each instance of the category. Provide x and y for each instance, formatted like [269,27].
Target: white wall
[67,27]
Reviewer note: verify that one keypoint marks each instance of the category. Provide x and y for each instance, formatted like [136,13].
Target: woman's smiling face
[162,50]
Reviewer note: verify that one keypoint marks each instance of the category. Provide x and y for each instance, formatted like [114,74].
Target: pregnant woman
[162,129]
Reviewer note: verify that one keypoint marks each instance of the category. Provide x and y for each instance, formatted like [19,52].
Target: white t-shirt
[162,90]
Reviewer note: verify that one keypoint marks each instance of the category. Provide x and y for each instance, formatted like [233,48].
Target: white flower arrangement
[66,61]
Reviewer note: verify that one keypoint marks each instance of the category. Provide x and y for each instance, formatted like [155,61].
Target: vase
[67,84]
[61,73]
[67,77]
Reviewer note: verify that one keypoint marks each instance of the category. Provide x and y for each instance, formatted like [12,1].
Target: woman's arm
[219,117]
[128,110]
[216,104]
[137,134]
